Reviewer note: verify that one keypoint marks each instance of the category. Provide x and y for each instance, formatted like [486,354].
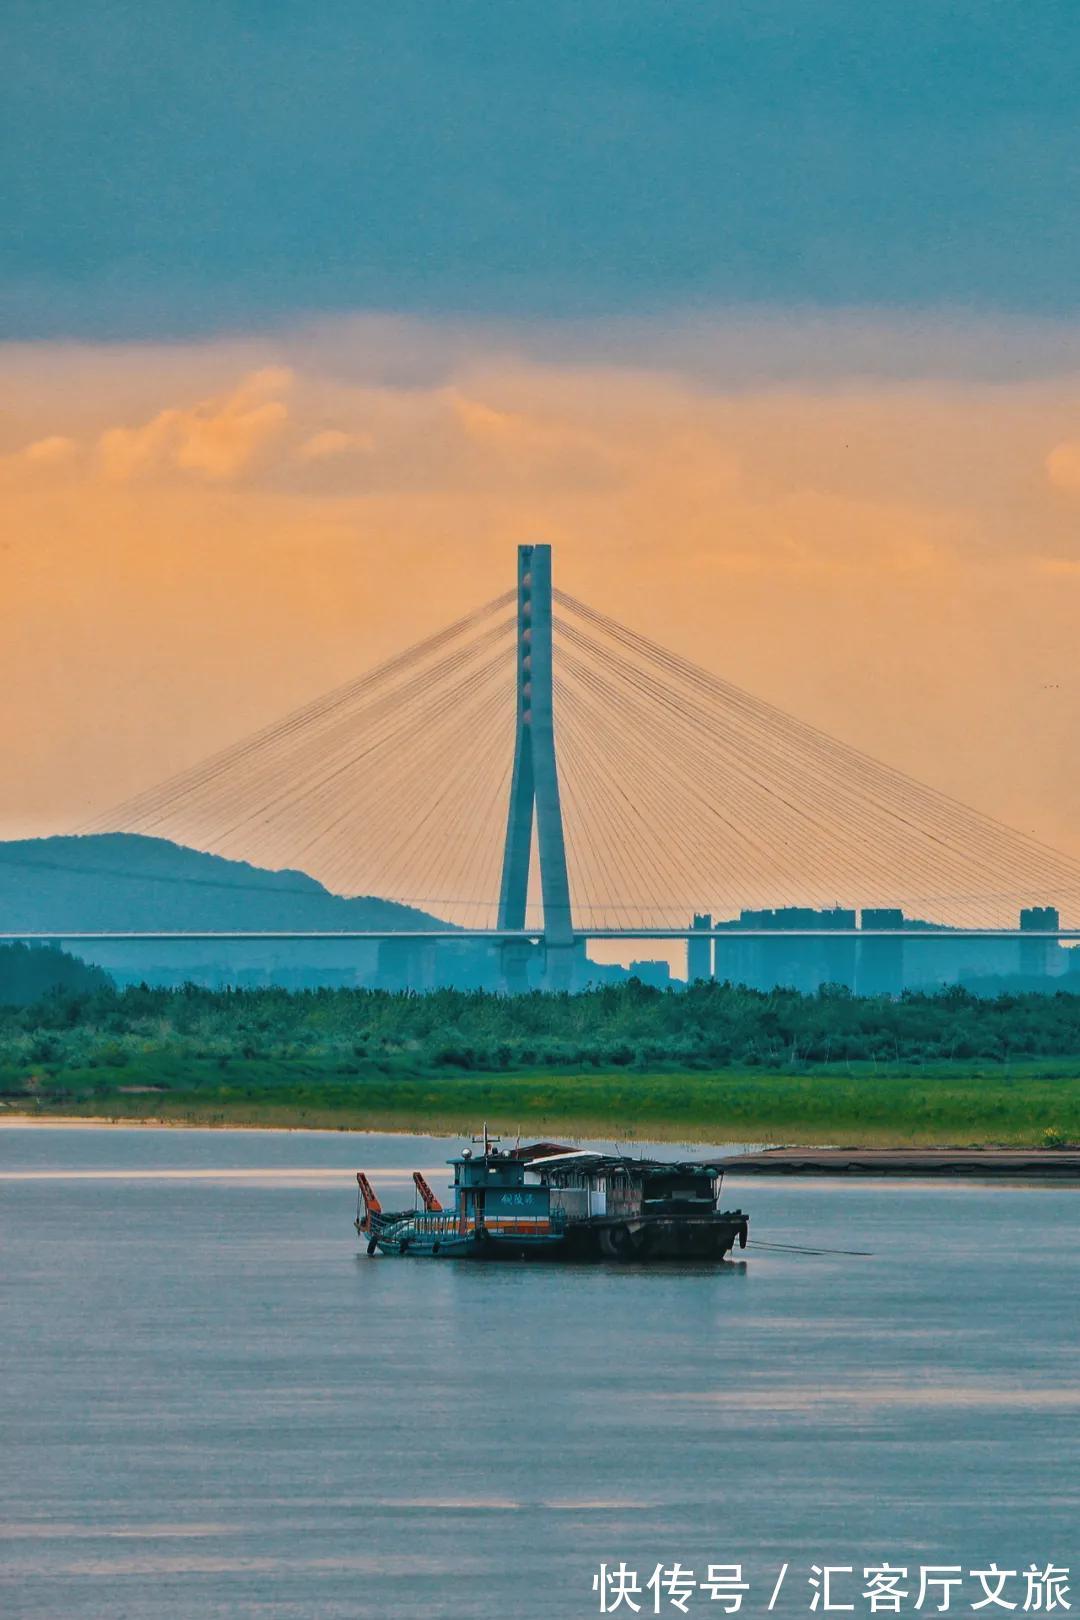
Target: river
[214,1405]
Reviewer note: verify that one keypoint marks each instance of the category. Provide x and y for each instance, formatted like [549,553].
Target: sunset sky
[767,316]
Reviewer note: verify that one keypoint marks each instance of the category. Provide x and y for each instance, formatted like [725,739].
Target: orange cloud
[43,460]
[1063,467]
[332,442]
[218,439]
[50,452]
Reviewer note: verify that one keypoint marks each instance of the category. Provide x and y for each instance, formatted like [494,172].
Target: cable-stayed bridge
[538,774]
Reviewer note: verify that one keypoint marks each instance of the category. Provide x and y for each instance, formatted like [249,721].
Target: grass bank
[953,1103]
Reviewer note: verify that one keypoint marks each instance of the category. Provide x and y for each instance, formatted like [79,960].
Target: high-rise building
[699,951]
[1037,955]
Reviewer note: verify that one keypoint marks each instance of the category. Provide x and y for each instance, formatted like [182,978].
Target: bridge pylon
[534,788]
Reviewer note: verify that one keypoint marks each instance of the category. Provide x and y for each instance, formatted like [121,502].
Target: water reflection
[214,1404]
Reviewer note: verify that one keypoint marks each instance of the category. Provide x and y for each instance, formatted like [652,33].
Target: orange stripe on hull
[513,1225]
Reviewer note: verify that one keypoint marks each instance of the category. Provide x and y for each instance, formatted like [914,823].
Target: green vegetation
[713,1061]
[30,972]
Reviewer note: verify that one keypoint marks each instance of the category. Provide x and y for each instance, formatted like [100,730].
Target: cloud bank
[200,536]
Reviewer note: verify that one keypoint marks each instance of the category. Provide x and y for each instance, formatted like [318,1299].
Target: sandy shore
[34,1122]
[762,1158]
[577,1131]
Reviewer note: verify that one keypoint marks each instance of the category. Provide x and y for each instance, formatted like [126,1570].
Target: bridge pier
[561,965]
[406,964]
[514,957]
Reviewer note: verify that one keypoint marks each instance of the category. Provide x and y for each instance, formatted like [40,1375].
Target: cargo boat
[548,1201]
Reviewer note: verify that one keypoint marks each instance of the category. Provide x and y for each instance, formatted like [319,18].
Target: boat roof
[554,1156]
[566,1156]
[543,1150]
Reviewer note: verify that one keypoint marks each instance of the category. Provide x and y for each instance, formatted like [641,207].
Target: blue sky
[175,169]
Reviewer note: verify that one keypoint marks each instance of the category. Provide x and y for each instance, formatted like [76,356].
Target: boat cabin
[584,1184]
[491,1191]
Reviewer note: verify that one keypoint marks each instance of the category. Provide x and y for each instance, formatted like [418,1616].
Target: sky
[765,315]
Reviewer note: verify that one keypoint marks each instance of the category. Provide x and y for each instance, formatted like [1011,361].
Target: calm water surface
[214,1405]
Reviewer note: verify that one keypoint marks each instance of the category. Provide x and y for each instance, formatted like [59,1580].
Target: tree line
[56,1017]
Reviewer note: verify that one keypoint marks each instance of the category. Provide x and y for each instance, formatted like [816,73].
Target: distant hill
[124,881]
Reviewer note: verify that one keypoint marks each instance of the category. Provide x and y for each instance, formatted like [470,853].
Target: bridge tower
[535,785]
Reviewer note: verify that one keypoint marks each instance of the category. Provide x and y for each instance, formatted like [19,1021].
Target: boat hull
[474,1245]
[647,1238]
[635,1240]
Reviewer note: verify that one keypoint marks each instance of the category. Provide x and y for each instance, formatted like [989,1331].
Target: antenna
[487,1140]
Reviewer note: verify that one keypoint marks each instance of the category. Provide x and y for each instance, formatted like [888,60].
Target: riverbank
[1030,1105]
[1040,1163]
[714,1063]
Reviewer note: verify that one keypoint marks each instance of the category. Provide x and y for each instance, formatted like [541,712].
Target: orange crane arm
[430,1202]
[371,1203]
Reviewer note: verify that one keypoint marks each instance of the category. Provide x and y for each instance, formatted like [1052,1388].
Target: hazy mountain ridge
[125,881]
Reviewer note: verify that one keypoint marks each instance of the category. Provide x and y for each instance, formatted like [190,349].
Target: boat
[549,1201]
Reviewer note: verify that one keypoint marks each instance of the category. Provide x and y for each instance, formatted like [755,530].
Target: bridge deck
[536,935]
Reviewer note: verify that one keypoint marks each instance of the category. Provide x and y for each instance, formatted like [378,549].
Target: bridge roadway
[535,936]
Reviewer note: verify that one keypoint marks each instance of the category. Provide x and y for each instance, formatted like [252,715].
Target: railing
[435,1224]
[449,1222]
